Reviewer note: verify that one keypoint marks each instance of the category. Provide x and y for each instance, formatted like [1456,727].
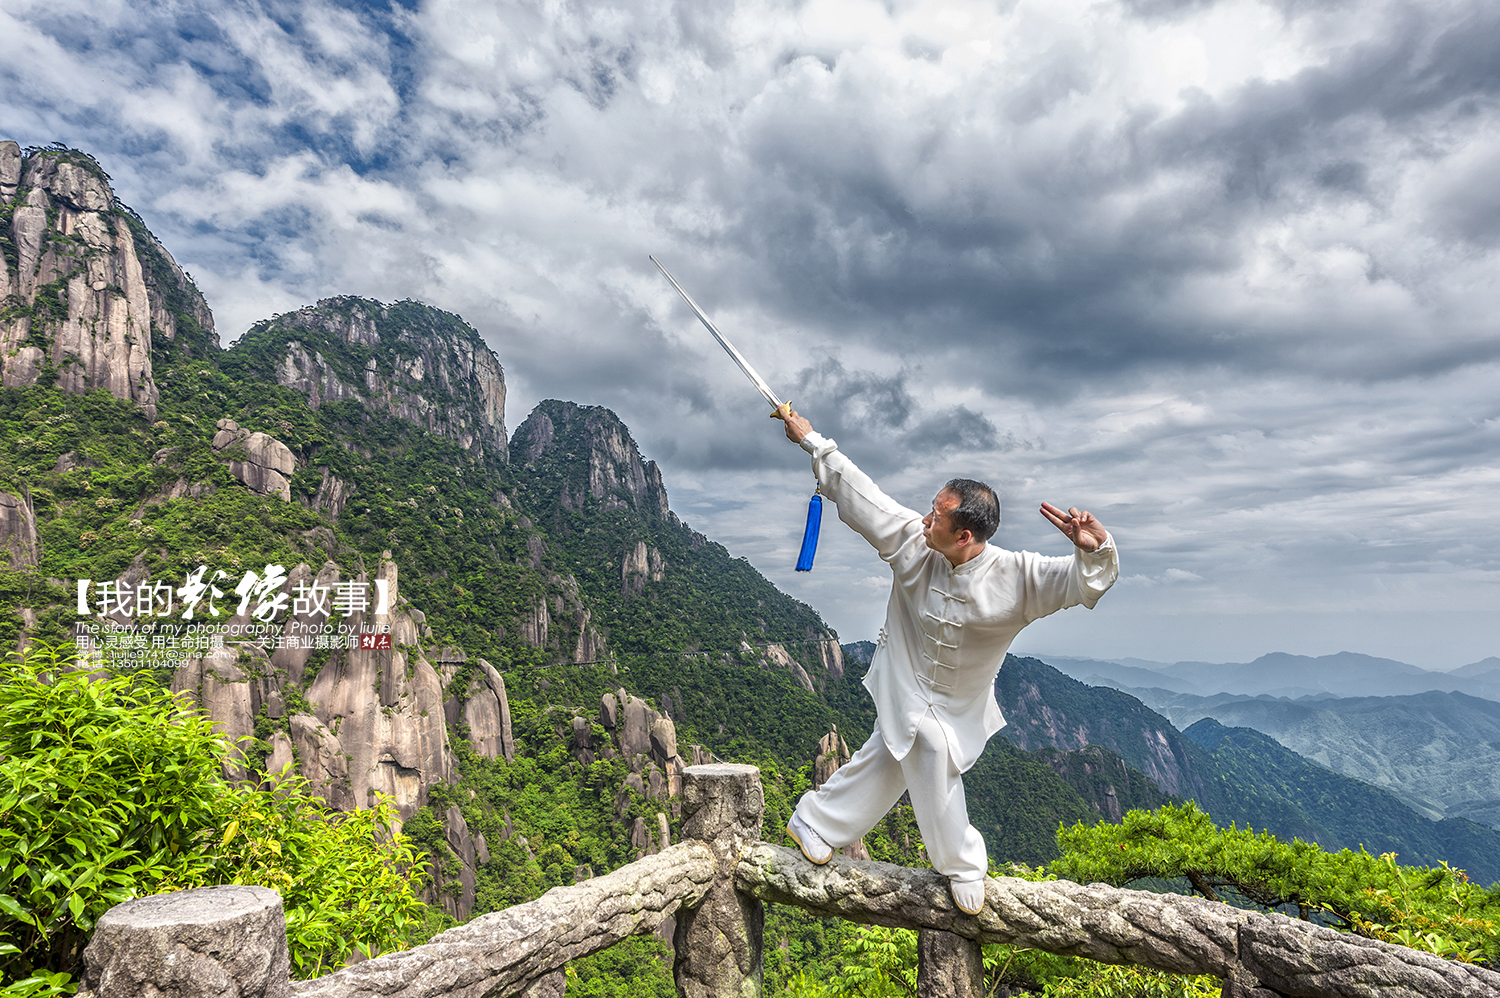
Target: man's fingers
[1076,524]
[1058,518]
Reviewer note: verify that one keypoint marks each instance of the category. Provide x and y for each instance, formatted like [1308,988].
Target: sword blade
[734,354]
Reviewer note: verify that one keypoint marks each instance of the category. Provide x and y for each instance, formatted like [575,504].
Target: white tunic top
[947,629]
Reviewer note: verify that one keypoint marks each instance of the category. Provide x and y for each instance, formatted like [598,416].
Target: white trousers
[861,791]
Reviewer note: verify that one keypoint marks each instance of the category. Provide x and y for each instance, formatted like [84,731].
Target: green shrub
[111,789]
[1435,909]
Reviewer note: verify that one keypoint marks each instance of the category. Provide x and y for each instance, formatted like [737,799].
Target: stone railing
[220,941]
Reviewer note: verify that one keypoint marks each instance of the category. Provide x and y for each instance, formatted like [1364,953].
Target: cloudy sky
[1224,273]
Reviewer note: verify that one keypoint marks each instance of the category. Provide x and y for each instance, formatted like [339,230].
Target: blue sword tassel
[810,535]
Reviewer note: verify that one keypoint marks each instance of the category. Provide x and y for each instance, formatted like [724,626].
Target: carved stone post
[948,966]
[719,942]
[202,943]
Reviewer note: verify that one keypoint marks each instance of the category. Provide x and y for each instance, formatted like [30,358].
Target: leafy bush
[111,789]
[348,884]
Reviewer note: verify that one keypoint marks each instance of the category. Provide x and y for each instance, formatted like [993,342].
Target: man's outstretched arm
[878,518]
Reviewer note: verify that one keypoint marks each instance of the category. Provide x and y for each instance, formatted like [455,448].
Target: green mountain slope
[1043,707]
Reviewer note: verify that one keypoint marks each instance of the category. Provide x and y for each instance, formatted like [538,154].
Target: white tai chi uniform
[933,675]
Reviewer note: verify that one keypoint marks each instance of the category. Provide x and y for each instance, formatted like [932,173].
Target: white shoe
[810,842]
[968,895]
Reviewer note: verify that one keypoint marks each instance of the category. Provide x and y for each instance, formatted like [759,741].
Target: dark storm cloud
[877,417]
[1024,260]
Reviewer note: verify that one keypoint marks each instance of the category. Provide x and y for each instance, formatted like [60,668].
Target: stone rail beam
[498,954]
[1258,955]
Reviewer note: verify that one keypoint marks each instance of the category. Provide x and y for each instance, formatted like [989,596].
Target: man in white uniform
[957,602]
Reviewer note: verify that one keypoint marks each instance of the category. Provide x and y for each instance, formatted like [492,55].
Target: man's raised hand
[1080,527]
[796,426]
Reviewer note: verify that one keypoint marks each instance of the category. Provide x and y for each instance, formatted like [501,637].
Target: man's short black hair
[978,509]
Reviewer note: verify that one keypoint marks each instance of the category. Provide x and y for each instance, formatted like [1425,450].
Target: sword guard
[780,412]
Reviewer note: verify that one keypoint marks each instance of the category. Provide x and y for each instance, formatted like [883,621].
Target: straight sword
[781,407]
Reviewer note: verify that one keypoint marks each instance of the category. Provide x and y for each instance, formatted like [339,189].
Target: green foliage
[876,962]
[108,787]
[879,963]
[1435,909]
[349,884]
[635,968]
[1099,980]
[111,789]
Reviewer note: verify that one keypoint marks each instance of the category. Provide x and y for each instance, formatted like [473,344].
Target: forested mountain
[1262,784]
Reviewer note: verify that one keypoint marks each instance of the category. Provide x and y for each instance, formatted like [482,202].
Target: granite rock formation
[377,720]
[481,705]
[611,468]
[18,539]
[268,463]
[419,365]
[90,287]
[395,740]
[647,740]
[832,753]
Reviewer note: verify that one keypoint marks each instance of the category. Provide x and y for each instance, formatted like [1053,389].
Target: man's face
[937,526]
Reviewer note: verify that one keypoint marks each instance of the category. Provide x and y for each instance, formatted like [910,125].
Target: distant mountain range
[1439,752]
[1346,674]
[1238,773]
[1431,738]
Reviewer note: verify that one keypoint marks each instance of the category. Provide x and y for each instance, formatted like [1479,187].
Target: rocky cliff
[87,290]
[1043,707]
[602,460]
[408,360]
[18,540]
[372,720]
[653,584]
[1104,780]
